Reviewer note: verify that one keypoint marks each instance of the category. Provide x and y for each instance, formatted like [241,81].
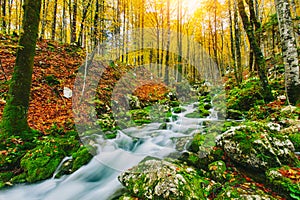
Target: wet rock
[134,102]
[256,146]
[156,179]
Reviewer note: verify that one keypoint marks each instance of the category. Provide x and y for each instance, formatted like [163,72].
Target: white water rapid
[98,179]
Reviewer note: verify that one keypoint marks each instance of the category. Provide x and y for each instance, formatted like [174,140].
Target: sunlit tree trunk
[179,40]
[167,58]
[15,113]
[259,58]
[232,42]
[44,18]
[63,24]
[238,59]
[289,50]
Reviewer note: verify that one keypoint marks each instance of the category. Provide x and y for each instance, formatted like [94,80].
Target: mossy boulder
[159,180]
[178,110]
[41,162]
[285,180]
[256,146]
[80,158]
[247,95]
[198,114]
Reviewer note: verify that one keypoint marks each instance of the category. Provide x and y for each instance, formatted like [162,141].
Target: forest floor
[55,67]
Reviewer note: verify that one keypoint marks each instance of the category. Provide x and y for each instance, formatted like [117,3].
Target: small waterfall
[60,165]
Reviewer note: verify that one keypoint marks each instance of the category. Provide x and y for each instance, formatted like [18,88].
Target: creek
[98,179]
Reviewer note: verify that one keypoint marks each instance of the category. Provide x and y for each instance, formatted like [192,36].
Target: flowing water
[98,179]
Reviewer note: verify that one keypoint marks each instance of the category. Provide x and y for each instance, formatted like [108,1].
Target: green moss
[295,139]
[197,141]
[197,114]
[174,103]
[41,162]
[178,110]
[52,80]
[217,170]
[6,176]
[284,185]
[81,157]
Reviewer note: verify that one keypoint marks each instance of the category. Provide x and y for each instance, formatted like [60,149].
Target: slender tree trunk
[259,58]
[4,16]
[232,42]
[289,50]
[96,24]
[239,69]
[179,40]
[167,58]
[44,18]
[15,113]
[74,22]
[84,15]
[54,20]
[10,3]
[63,24]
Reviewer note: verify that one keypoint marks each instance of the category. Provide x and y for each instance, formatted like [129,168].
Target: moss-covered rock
[156,179]
[217,170]
[178,110]
[247,95]
[41,162]
[80,158]
[256,146]
[285,180]
[198,114]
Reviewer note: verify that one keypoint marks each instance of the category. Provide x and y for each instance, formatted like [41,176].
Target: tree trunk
[84,15]
[259,58]
[74,22]
[54,21]
[289,50]
[3,16]
[239,69]
[15,113]
[167,58]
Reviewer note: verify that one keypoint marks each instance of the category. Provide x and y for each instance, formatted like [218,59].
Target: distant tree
[14,120]
[289,50]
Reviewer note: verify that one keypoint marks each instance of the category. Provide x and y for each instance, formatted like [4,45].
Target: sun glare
[191,5]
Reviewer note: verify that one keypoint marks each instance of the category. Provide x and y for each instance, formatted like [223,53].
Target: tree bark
[54,21]
[238,59]
[74,22]
[3,16]
[14,119]
[289,50]
[259,57]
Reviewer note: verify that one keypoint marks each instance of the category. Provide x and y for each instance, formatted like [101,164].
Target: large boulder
[158,179]
[257,146]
